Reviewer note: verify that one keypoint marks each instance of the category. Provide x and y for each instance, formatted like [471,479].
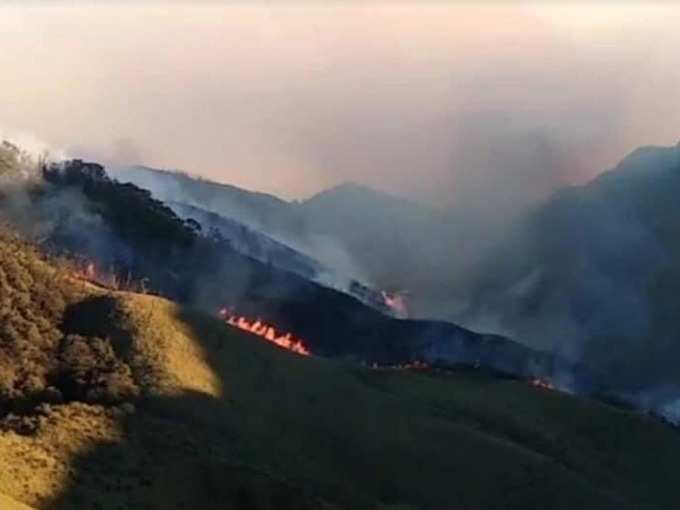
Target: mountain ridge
[111,398]
[590,259]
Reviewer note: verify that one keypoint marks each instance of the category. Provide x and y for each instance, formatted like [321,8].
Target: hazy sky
[441,101]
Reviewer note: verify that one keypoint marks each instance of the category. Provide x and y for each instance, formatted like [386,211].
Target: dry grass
[166,355]
[39,466]
[7,503]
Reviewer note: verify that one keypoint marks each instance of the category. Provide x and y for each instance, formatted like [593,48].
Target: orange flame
[88,271]
[265,331]
[542,383]
[411,365]
[396,302]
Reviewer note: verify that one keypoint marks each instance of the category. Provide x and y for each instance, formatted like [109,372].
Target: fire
[542,383]
[265,331]
[395,301]
[411,365]
[90,271]
[87,270]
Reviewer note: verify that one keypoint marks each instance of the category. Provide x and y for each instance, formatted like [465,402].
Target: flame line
[265,331]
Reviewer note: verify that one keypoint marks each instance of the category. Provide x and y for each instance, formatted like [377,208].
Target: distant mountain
[250,241]
[591,274]
[398,243]
[119,230]
[594,273]
[255,209]
[253,243]
[111,398]
[282,221]
[361,233]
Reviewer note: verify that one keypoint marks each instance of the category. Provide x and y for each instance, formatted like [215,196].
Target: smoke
[663,401]
[277,219]
[606,293]
[32,149]
[60,219]
[121,151]
[482,111]
[436,102]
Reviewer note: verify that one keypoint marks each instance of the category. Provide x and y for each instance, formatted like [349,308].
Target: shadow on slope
[225,420]
[161,449]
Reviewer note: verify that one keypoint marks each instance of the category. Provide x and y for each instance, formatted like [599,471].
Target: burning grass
[542,383]
[265,331]
[88,271]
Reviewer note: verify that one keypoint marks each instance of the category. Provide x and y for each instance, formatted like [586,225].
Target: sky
[444,102]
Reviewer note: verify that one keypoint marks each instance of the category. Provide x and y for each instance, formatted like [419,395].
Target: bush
[38,360]
[89,370]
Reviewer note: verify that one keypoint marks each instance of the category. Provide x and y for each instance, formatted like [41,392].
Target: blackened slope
[387,241]
[146,239]
[256,245]
[251,242]
[335,325]
[184,265]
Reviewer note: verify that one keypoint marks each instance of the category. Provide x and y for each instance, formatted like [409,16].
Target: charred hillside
[251,242]
[385,240]
[589,275]
[254,244]
[140,236]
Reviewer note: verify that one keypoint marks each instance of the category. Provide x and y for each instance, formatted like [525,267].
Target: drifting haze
[443,102]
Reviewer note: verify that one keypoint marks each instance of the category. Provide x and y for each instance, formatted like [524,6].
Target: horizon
[113,169]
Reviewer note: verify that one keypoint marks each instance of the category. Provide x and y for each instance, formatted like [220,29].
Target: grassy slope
[225,420]
[7,503]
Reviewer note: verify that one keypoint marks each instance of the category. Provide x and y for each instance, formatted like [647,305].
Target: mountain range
[588,274]
[134,371]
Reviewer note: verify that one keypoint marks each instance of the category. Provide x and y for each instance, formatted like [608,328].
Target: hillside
[251,208]
[589,275]
[380,239]
[597,266]
[151,405]
[123,237]
[395,242]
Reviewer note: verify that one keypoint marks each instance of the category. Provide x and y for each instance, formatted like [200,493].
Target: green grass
[224,420]
[358,436]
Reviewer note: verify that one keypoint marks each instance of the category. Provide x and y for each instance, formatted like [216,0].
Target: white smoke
[662,401]
[33,149]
